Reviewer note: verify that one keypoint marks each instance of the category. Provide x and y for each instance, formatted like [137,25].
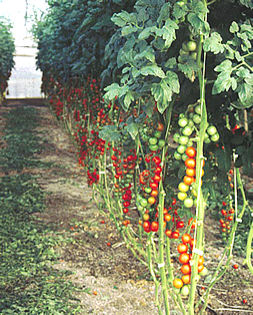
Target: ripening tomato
[154,226]
[175,235]
[190,163]
[154,193]
[182,248]
[188,180]
[201,260]
[160,126]
[200,268]
[178,283]
[167,217]
[151,200]
[153,185]
[168,233]
[186,238]
[184,258]
[190,172]
[186,269]
[190,152]
[146,226]
[186,279]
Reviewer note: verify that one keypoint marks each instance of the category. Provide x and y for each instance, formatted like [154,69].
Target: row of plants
[7,49]
[28,282]
[157,96]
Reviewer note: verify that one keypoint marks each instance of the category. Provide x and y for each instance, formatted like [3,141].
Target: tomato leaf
[128,99]
[213,43]
[153,70]
[110,133]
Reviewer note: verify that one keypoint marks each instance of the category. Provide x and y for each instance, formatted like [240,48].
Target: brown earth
[114,281]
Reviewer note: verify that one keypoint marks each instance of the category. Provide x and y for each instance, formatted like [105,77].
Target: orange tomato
[190,152]
[186,279]
[190,163]
[160,126]
[186,238]
[178,283]
[190,172]
[188,180]
[182,248]
[186,269]
[151,200]
[184,258]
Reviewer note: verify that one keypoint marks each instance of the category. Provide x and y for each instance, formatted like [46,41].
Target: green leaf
[234,27]
[128,99]
[146,54]
[172,80]
[226,65]
[245,94]
[213,43]
[153,70]
[164,12]
[110,133]
[222,83]
[170,63]
[169,32]
[129,29]
[123,18]
[162,93]
[147,31]
[189,69]
[198,23]
[114,90]
[132,129]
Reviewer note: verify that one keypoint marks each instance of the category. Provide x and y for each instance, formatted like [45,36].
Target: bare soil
[114,281]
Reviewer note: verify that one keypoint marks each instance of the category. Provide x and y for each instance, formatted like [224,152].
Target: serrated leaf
[226,65]
[128,29]
[222,83]
[245,94]
[128,99]
[146,54]
[213,43]
[172,80]
[162,94]
[233,83]
[153,70]
[164,12]
[110,133]
[169,32]
[114,90]
[234,27]
[132,129]
[123,18]
[189,69]
[147,31]
[243,72]
[198,23]
[170,63]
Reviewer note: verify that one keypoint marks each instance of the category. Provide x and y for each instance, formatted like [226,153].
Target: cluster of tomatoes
[124,171]
[185,255]
[226,220]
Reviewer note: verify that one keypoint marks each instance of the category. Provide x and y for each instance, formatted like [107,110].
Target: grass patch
[28,283]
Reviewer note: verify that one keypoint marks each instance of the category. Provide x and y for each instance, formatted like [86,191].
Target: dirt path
[113,278]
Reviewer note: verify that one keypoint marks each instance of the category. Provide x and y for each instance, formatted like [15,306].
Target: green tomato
[177,156]
[191,45]
[183,52]
[181,196]
[198,109]
[183,122]
[176,137]
[148,190]
[193,55]
[190,122]
[187,131]
[190,143]
[211,130]
[215,137]
[161,143]
[185,290]
[183,187]
[188,202]
[153,147]
[152,141]
[204,272]
[197,119]
[181,149]
[144,202]
[158,134]
[183,140]
[184,157]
